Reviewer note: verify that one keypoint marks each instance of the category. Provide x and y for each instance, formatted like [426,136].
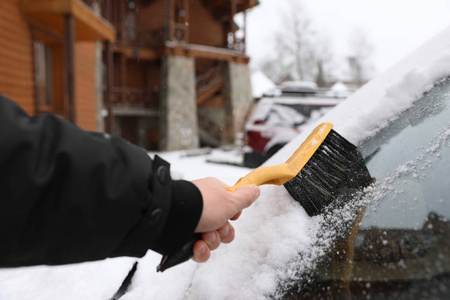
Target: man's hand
[219,206]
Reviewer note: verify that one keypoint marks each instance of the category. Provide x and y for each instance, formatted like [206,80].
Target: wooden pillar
[109,78]
[109,122]
[245,32]
[233,28]
[186,20]
[121,19]
[146,84]
[69,64]
[108,11]
[170,20]
[123,77]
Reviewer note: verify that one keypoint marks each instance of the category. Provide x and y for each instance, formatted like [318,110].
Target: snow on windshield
[275,239]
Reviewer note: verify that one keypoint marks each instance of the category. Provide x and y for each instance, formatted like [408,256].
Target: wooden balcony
[205,52]
[135,37]
[89,25]
[133,97]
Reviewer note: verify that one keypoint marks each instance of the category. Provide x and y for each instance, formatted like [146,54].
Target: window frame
[49,46]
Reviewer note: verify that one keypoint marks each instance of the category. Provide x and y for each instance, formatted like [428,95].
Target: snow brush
[322,168]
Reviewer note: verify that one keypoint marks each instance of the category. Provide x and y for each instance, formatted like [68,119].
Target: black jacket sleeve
[67,195]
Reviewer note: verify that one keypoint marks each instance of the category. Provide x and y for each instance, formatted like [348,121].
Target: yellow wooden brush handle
[280,174]
[277,174]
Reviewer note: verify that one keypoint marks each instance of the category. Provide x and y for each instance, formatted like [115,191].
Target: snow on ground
[269,235]
[90,280]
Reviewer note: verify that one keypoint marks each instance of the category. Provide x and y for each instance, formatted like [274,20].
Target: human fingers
[220,205]
[226,233]
[236,216]
[212,239]
[201,251]
[244,196]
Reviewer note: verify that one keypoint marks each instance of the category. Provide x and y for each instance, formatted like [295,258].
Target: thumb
[246,195]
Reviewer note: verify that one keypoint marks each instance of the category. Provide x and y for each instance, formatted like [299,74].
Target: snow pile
[270,234]
[339,87]
[261,84]
[230,156]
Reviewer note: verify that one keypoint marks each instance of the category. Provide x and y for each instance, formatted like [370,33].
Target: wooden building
[49,55]
[167,74]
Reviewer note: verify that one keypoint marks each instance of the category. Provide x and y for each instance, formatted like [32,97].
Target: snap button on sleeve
[163,174]
[155,216]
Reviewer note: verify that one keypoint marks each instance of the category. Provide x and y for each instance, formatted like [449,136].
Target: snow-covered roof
[339,86]
[311,101]
[299,86]
[261,84]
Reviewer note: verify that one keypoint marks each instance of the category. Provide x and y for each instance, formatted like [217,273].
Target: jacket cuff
[173,212]
[185,212]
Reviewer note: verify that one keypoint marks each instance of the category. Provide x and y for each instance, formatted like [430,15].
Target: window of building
[48,64]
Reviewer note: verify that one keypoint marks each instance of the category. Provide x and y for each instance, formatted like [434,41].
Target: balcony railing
[209,80]
[133,97]
[237,44]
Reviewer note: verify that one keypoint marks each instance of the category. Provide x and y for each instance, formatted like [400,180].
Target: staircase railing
[212,79]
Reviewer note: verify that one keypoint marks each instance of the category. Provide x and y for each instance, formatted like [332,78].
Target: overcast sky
[394,27]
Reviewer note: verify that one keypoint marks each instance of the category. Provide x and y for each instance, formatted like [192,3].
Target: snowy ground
[269,235]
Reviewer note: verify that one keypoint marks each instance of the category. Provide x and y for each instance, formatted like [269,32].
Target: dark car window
[413,157]
[398,244]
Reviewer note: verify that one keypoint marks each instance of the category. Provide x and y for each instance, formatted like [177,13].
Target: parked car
[277,120]
[299,88]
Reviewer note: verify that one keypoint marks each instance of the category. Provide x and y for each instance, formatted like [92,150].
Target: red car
[275,121]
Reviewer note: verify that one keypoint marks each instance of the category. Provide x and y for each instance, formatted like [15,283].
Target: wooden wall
[16,57]
[85,86]
[203,28]
[17,67]
[135,74]
[152,17]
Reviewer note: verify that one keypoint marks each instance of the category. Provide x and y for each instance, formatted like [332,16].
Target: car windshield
[396,245]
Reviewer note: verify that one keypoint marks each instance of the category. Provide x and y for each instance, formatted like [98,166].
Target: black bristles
[335,167]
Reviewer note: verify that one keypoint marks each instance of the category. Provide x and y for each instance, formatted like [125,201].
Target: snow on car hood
[269,235]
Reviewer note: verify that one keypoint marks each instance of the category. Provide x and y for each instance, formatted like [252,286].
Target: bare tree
[298,47]
[324,61]
[273,69]
[360,65]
